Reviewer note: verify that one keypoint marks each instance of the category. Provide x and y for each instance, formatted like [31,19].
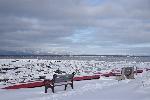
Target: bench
[128,72]
[59,80]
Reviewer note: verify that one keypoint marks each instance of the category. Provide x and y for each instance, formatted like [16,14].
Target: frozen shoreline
[25,70]
[105,88]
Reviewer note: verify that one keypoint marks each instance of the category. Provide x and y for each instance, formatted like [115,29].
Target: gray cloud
[78,26]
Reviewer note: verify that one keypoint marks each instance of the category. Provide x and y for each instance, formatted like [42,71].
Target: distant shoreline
[78,55]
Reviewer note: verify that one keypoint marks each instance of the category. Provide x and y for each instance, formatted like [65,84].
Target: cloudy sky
[75,26]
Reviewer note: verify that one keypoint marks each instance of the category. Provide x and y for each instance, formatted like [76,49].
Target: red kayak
[41,83]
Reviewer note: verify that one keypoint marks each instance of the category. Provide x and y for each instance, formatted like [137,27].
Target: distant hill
[7,52]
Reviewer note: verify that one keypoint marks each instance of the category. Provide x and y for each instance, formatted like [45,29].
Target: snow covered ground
[105,88]
[102,89]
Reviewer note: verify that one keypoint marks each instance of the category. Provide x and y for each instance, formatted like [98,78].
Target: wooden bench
[59,80]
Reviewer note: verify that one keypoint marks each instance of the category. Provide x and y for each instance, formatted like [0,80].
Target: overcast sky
[75,26]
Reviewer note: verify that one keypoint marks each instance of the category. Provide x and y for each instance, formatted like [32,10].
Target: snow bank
[104,89]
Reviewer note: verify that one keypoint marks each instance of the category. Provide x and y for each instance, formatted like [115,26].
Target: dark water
[82,57]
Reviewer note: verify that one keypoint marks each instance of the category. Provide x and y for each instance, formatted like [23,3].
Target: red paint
[147,69]
[41,83]
[107,74]
[80,78]
[139,71]
[25,85]
[111,74]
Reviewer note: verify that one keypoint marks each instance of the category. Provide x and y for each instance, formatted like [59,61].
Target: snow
[105,88]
